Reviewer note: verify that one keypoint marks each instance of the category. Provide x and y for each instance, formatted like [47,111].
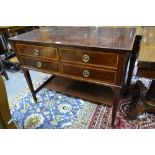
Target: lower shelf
[92,92]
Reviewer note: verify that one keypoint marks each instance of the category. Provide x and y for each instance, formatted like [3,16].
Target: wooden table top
[147,48]
[98,37]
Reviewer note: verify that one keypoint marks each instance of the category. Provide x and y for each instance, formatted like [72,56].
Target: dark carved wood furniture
[86,62]
[10,31]
[146,69]
[5,48]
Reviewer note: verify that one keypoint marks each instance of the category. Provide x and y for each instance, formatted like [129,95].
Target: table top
[147,48]
[99,37]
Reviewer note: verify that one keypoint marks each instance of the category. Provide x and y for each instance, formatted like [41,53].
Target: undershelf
[92,92]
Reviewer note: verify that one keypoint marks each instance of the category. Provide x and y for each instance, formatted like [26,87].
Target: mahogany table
[86,62]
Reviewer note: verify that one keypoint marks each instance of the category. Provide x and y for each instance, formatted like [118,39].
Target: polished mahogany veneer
[38,51]
[94,55]
[89,73]
[40,64]
[99,37]
[105,59]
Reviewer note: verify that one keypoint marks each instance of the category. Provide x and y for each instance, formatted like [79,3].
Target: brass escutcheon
[86,73]
[39,64]
[36,52]
[85,58]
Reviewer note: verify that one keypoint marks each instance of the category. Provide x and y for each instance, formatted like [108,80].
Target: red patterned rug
[102,117]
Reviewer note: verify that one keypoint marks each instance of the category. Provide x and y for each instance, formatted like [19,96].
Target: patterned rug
[53,110]
[58,111]
[101,118]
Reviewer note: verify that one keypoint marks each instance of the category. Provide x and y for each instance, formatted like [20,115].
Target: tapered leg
[151,92]
[5,74]
[131,69]
[115,105]
[136,48]
[2,70]
[29,82]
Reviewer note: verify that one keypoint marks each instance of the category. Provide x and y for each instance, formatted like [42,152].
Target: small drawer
[89,73]
[40,65]
[38,51]
[105,59]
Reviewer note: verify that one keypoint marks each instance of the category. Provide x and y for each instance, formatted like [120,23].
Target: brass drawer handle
[85,58]
[39,64]
[86,73]
[36,52]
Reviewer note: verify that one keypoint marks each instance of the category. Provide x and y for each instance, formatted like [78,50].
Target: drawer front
[38,51]
[89,73]
[96,58]
[40,65]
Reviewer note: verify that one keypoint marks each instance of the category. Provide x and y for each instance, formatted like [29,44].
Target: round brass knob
[36,52]
[85,58]
[39,64]
[86,73]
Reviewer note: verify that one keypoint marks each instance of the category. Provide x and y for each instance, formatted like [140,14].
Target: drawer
[89,73]
[105,59]
[38,51]
[40,65]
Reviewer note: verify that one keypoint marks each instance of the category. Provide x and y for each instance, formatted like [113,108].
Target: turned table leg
[115,105]
[146,101]
[29,82]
